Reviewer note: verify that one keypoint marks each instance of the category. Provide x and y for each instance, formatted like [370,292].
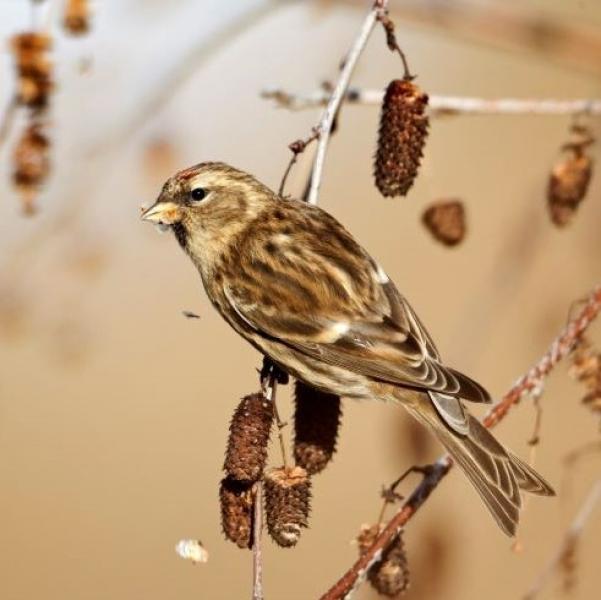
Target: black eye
[198,194]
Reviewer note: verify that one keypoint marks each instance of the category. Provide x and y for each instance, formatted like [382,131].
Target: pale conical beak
[162,213]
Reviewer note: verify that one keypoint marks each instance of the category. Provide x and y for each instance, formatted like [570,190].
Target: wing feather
[328,299]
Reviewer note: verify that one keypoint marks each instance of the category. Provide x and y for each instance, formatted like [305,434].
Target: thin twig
[269,384]
[8,118]
[297,147]
[444,105]
[515,26]
[257,550]
[570,539]
[559,349]
[335,99]
[393,45]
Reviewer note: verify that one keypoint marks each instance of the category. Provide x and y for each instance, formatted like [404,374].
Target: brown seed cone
[568,184]
[237,503]
[401,138]
[593,400]
[249,435]
[34,70]
[287,504]
[586,364]
[390,575]
[31,163]
[77,17]
[316,423]
[445,220]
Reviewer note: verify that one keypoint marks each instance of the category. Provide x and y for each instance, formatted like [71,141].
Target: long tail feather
[496,474]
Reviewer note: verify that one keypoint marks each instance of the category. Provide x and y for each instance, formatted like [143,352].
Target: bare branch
[532,380]
[327,119]
[269,381]
[444,105]
[515,26]
[569,541]
[257,551]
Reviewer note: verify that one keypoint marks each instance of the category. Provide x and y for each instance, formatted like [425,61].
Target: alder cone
[586,363]
[249,436]
[77,17]
[316,423]
[287,504]
[568,184]
[390,575]
[237,502]
[445,220]
[401,138]
[31,160]
[34,69]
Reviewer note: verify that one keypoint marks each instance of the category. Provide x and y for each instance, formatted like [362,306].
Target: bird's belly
[314,372]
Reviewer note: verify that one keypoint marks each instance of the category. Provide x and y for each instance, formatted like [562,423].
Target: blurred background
[114,407]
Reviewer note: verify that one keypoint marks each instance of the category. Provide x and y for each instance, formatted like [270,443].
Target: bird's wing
[315,310]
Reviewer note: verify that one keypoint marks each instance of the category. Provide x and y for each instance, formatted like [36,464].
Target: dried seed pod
[34,69]
[316,424]
[287,504]
[592,400]
[445,220]
[31,164]
[249,435]
[367,536]
[77,16]
[401,138]
[586,368]
[568,184]
[390,575]
[586,364]
[237,502]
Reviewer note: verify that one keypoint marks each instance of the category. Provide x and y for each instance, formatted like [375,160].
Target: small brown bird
[291,280]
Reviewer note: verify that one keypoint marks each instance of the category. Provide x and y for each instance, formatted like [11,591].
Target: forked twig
[558,350]
[324,128]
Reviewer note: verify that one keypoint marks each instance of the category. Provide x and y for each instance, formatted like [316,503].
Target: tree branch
[335,99]
[532,380]
[443,105]
[257,551]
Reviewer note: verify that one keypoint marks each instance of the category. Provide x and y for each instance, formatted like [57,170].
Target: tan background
[114,408]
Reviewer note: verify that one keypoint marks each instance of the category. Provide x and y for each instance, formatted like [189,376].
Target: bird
[291,280]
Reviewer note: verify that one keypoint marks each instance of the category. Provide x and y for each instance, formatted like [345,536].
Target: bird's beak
[162,213]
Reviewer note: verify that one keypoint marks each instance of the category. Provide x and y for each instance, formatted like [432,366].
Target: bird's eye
[198,194]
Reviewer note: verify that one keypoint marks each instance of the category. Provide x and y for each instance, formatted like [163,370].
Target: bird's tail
[497,474]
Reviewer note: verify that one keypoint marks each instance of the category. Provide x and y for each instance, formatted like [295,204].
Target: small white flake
[192,550]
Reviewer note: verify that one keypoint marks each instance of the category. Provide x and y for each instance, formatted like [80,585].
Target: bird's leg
[270,369]
[270,375]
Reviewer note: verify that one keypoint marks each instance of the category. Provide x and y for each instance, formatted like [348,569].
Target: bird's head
[208,204]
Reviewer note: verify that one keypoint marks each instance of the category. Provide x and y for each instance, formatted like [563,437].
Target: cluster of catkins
[586,369]
[34,86]
[287,489]
[401,138]
[31,155]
